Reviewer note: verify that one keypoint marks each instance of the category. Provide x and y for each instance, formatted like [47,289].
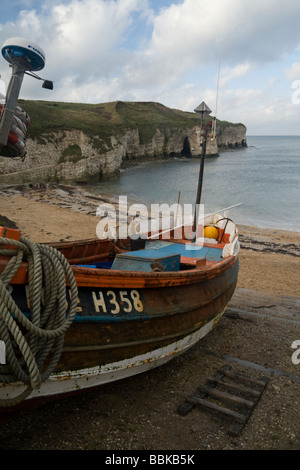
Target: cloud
[232,30]
[293,73]
[238,71]
[104,50]
[82,39]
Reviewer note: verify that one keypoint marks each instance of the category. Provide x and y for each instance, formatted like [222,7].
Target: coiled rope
[34,340]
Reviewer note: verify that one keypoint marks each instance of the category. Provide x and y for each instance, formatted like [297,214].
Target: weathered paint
[129,321]
[75,380]
[142,261]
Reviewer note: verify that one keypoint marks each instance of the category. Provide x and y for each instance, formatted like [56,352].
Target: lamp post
[202,110]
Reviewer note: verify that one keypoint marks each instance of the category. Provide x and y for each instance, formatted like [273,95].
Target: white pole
[12,96]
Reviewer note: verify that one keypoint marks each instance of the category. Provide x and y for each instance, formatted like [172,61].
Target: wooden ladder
[229,394]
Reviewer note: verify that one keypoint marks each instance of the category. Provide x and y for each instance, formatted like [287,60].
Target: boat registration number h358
[99,303]
[115,302]
[92,302]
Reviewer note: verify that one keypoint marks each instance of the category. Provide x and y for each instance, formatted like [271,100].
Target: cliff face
[231,136]
[73,156]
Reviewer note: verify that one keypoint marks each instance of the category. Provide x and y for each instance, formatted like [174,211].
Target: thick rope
[34,339]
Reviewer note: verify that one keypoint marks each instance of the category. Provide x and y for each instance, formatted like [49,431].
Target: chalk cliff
[127,134]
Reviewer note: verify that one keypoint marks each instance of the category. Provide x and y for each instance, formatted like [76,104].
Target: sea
[261,181]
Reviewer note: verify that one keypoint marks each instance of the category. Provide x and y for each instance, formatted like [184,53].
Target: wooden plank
[226,411]
[237,387]
[186,406]
[207,394]
[235,428]
[245,378]
[226,396]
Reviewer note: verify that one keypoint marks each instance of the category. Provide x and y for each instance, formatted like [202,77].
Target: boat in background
[136,309]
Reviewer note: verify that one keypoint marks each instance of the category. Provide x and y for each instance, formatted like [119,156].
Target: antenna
[24,57]
[217,99]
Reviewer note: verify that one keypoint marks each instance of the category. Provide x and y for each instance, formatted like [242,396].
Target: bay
[264,177]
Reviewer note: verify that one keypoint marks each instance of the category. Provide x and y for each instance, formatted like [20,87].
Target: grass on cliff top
[104,119]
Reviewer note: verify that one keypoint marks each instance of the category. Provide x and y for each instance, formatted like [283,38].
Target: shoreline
[50,213]
[65,196]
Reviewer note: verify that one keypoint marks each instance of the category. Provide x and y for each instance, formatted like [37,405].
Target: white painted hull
[74,381]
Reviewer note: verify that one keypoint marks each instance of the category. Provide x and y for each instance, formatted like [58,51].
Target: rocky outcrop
[73,157]
[231,136]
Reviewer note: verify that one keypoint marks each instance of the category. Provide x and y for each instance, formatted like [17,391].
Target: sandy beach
[269,259]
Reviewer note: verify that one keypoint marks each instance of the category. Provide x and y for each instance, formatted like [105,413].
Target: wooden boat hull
[102,348]
[68,382]
[155,317]
[128,322]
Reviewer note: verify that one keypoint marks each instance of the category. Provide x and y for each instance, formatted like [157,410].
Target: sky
[242,57]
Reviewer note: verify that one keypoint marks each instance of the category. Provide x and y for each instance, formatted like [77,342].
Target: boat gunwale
[91,277]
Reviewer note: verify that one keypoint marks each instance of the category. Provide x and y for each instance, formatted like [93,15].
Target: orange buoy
[211,232]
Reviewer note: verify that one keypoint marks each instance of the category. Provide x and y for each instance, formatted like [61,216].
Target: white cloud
[238,71]
[29,22]
[228,29]
[100,50]
[293,73]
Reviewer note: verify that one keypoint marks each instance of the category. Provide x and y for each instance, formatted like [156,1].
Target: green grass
[104,119]
[100,121]
[49,117]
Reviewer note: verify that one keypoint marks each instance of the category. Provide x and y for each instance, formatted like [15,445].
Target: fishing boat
[76,315]
[135,309]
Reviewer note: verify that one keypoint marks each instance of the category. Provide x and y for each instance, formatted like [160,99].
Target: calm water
[265,177]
